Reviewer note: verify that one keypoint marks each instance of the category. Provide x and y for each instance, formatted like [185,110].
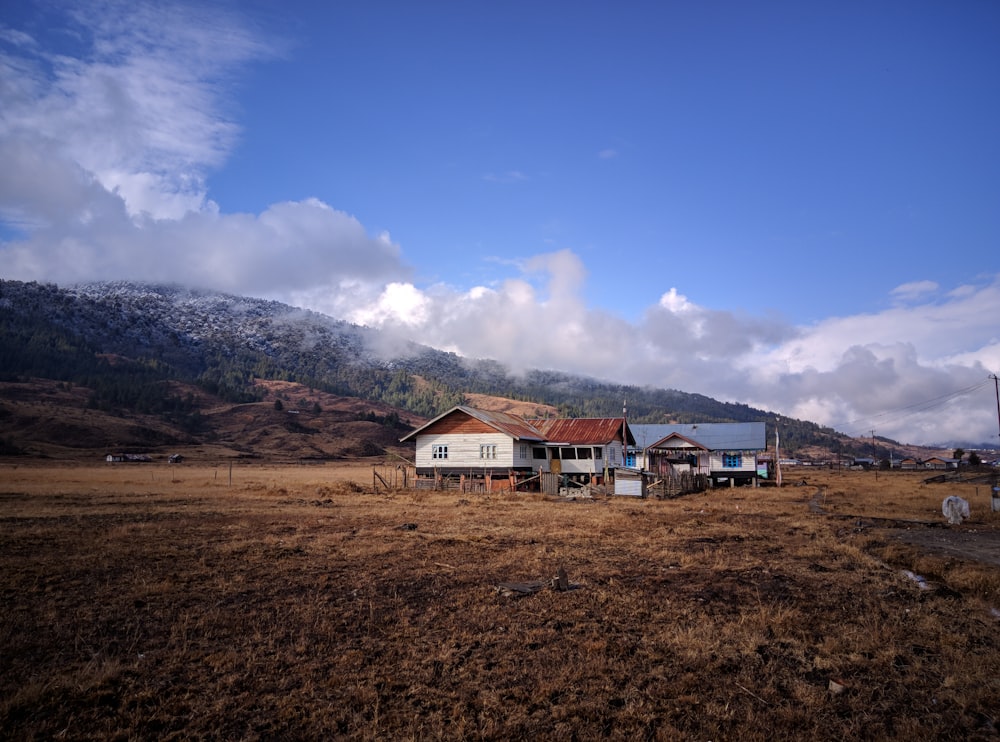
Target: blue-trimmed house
[727,453]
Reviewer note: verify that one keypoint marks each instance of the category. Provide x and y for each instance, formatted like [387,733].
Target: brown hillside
[511,406]
[49,419]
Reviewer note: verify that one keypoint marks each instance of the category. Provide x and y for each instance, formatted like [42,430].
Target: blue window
[732,460]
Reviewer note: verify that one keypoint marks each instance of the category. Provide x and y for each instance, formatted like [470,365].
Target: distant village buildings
[117,458]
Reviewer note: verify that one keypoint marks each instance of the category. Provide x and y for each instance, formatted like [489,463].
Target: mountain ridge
[226,345]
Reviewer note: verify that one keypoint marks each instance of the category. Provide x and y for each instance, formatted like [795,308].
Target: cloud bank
[918,374]
[108,149]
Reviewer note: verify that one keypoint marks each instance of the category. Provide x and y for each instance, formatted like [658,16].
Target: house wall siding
[613,454]
[701,466]
[593,465]
[463,450]
[747,464]
[520,448]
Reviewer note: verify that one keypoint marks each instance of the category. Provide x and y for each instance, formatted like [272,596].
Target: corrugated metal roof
[583,430]
[501,421]
[571,431]
[672,437]
[510,424]
[713,436]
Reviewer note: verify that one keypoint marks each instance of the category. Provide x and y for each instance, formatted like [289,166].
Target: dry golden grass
[164,602]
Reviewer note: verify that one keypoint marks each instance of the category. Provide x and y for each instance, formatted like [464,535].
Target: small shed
[630,482]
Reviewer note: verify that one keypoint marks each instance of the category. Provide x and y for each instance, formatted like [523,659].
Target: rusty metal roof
[583,430]
[512,425]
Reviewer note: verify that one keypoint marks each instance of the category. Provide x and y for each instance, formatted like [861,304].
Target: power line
[912,409]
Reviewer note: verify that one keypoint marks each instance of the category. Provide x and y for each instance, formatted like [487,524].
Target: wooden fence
[474,481]
[675,484]
[393,477]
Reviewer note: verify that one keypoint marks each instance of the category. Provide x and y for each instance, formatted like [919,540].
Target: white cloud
[400,303]
[141,110]
[676,303]
[510,176]
[914,291]
[292,246]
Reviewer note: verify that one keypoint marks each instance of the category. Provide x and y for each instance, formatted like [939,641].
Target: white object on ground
[955,509]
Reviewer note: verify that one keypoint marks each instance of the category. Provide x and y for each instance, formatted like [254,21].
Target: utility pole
[996,388]
[625,432]
[777,452]
[874,456]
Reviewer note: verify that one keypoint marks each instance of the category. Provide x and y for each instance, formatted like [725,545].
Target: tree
[974,459]
[278,405]
[958,454]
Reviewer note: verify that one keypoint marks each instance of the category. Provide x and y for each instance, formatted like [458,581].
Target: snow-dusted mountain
[145,316]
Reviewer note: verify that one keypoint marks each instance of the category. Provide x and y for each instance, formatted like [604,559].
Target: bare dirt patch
[163,602]
[967,543]
[977,540]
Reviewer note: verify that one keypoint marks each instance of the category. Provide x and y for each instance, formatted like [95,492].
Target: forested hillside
[122,340]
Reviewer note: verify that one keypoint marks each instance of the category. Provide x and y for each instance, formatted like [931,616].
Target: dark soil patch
[957,541]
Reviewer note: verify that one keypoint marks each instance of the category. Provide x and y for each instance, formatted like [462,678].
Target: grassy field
[194,601]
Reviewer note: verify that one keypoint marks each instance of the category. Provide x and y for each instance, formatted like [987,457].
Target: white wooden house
[465,441]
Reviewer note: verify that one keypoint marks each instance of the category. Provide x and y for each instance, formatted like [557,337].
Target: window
[568,453]
[538,453]
[584,453]
[732,460]
[524,451]
[488,451]
[598,453]
[439,452]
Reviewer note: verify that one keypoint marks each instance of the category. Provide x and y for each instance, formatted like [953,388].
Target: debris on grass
[921,582]
[955,509]
[519,589]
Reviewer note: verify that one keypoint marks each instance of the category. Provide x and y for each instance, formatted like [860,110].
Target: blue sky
[791,205]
